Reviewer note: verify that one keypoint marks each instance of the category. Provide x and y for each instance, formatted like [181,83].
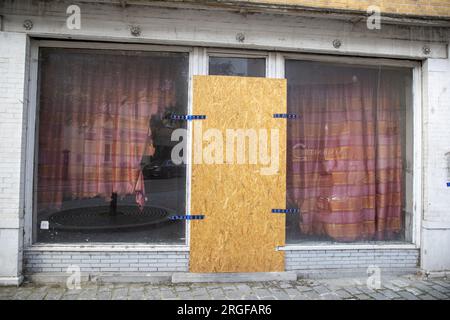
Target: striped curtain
[94,122]
[345,152]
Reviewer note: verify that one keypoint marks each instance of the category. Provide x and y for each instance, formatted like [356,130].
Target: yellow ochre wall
[239,232]
[403,7]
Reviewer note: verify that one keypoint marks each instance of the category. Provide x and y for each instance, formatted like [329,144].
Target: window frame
[416,153]
[32,136]
[199,65]
[224,53]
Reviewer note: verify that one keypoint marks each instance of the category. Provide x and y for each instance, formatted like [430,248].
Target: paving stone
[407,295]
[443,283]
[330,296]
[421,285]
[262,293]
[312,295]
[427,297]
[414,291]
[303,288]
[182,288]
[389,294]
[168,294]
[440,288]
[366,290]
[218,292]
[285,285]
[321,289]
[291,291]
[54,294]
[279,294]
[343,294]
[437,294]
[391,286]
[22,294]
[37,296]
[300,296]
[353,290]
[186,295]
[396,288]
[105,295]
[119,293]
[401,283]
[199,292]
[234,294]
[378,296]
[244,288]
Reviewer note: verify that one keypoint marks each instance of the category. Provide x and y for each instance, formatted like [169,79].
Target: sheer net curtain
[95,110]
[345,152]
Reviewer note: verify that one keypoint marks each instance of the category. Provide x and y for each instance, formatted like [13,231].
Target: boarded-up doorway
[239,233]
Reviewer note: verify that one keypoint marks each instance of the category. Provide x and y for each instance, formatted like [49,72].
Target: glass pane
[243,67]
[347,151]
[104,172]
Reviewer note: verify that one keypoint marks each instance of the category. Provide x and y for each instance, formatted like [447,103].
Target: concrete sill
[308,247]
[106,247]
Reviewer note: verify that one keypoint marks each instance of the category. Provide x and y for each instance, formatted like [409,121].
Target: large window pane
[104,172]
[232,66]
[347,152]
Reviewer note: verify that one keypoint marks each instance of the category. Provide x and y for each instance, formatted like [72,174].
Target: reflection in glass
[346,152]
[104,172]
[232,66]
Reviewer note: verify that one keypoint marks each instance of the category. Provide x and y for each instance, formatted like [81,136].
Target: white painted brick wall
[103,262]
[13,84]
[312,260]
[437,139]
[386,259]
[436,219]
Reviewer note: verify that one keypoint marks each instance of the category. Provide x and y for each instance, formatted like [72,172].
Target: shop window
[348,152]
[104,144]
[237,66]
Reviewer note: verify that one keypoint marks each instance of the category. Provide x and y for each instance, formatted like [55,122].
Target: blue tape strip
[448,184]
[188,117]
[291,210]
[285,115]
[188,217]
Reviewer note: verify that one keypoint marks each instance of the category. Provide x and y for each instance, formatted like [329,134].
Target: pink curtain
[94,122]
[345,152]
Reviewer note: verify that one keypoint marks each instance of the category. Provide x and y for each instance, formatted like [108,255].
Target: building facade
[88,94]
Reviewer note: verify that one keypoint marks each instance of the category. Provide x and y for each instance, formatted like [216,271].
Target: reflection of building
[270,37]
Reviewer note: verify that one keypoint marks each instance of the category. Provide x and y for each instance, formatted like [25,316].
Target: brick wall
[402,7]
[386,259]
[178,261]
[103,262]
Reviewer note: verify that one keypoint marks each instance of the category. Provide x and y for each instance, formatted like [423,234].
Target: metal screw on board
[337,43]
[28,24]
[240,37]
[426,50]
[135,31]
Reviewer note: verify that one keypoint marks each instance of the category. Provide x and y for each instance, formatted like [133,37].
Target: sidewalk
[399,287]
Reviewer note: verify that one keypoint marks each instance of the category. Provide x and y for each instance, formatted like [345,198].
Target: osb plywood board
[239,232]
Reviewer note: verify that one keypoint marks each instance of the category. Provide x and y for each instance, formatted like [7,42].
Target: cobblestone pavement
[397,288]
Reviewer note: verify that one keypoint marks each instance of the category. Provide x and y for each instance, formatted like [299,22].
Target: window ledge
[107,247]
[347,247]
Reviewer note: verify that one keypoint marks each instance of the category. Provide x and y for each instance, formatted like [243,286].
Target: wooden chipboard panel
[239,232]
